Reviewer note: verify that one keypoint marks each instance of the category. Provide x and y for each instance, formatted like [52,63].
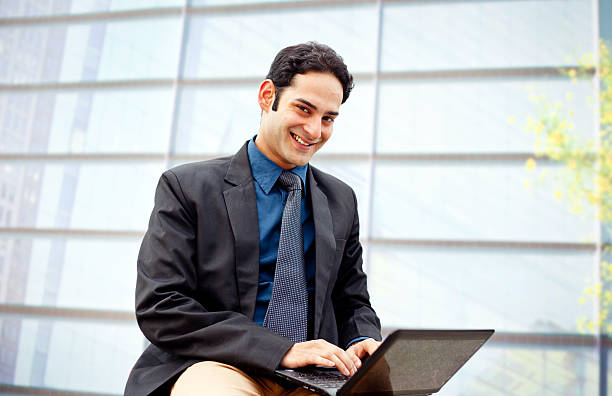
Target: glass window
[527,370]
[238,45]
[459,116]
[353,127]
[238,2]
[485,34]
[106,196]
[536,291]
[115,50]
[78,356]
[63,272]
[9,8]
[107,121]
[473,201]
[357,175]
[216,119]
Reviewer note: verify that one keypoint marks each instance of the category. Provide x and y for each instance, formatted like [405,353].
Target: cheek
[326,133]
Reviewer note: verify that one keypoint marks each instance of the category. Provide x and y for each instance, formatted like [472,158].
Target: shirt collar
[266,172]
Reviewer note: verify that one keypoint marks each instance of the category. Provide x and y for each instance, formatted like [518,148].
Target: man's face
[303,121]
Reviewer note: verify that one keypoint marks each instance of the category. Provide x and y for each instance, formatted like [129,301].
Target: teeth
[299,140]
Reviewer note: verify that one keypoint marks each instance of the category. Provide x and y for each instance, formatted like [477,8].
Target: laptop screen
[418,362]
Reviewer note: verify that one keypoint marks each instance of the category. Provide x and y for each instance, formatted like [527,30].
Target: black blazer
[198,273]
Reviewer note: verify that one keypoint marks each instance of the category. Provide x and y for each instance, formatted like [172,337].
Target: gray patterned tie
[287,310]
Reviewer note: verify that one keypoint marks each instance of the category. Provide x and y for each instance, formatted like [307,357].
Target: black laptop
[409,362]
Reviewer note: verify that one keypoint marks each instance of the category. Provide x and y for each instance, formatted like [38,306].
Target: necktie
[287,310]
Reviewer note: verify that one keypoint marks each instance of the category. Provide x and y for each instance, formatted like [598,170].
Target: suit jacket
[198,273]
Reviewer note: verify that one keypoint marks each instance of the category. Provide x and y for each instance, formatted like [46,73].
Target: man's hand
[362,348]
[322,353]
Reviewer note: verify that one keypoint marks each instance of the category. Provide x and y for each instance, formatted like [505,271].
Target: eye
[303,108]
[328,119]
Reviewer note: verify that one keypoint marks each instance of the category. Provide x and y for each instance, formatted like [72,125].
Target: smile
[299,140]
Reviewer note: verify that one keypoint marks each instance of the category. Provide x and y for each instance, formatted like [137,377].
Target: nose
[313,129]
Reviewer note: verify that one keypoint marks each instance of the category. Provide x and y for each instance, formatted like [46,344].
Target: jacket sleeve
[168,310]
[354,314]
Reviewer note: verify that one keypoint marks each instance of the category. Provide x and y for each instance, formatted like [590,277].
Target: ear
[266,95]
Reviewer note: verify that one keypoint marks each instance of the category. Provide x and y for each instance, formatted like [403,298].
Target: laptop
[408,362]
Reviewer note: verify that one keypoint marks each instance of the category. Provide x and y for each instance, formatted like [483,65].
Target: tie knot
[289,181]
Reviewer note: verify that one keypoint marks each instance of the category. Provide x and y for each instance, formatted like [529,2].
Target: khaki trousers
[214,378]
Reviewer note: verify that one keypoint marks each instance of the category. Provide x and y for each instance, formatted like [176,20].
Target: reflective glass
[527,370]
[487,201]
[219,119]
[474,116]
[609,376]
[524,290]
[424,35]
[353,127]
[125,49]
[107,121]
[107,196]
[237,2]
[244,44]
[216,119]
[68,355]
[63,272]
[10,8]
[357,175]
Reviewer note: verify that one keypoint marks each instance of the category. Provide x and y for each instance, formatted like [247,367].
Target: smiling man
[253,262]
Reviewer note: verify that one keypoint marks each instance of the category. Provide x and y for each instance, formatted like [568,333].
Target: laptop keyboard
[322,378]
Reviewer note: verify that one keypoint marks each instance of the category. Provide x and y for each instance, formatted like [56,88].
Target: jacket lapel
[325,247]
[241,207]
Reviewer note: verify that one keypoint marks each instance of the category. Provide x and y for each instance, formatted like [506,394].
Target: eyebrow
[307,103]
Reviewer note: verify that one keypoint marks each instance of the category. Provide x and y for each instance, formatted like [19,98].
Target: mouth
[300,140]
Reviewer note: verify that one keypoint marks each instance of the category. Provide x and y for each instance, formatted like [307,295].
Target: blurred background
[98,97]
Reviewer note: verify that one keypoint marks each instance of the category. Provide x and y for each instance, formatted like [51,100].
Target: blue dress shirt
[270,204]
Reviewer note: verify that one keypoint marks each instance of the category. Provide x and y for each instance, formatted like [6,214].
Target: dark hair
[303,58]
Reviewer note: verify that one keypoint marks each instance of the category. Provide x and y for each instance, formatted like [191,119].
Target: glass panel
[493,34]
[87,52]
[504,289]
[237,2]
[90,196]
[356,174]
[63,272]
[473,201]
[353,127]
[527,371]
[216,119]
[237,45]
[219,119]
[107,121]
[89,357]
[609,376]
[9,8]
[455,116]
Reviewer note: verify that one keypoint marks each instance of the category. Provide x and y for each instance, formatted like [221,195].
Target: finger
[344,362]
[357,362]
[348,360]
[321,361]
[340,364]
[353,355]
[365,347]
[358,349]
[371,346]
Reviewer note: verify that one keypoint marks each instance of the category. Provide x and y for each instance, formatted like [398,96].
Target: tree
[587,165]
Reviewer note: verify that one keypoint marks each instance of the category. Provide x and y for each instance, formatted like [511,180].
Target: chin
[301,161]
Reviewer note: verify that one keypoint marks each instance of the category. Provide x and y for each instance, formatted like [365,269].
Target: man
[234,283]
